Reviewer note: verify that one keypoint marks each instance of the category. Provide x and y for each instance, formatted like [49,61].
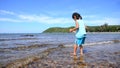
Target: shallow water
[17,46]
[100,56]
[16,40]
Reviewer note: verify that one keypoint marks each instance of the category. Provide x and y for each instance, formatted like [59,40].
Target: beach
[101,56]
[98,52]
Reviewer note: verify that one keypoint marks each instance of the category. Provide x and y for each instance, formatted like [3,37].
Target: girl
[80,32]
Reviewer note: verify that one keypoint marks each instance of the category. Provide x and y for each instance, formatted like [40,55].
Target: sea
[14,46]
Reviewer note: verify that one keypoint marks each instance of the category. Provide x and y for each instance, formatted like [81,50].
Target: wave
[97,43]
[18,39]
[103,42]
[23,48]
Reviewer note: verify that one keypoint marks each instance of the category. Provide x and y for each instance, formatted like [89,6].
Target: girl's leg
[81,47]
[75,49]
[81,50]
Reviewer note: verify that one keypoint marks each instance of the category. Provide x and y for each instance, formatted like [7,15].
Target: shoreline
[103,32]
[62,32]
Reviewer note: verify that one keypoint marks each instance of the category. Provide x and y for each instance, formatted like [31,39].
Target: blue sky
[34,16]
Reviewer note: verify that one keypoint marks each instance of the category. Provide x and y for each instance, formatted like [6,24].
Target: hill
[57,30]
[102,28]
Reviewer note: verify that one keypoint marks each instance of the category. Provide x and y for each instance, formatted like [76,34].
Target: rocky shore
[97,56]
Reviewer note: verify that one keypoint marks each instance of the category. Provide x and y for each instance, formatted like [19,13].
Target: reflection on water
[79,62]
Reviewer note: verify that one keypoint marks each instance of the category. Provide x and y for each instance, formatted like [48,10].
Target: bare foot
[81,54]
[73,54]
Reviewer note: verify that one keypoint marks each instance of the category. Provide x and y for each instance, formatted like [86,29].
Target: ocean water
[20,45]
[16,40]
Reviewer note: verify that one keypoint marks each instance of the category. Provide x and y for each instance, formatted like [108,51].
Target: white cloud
[90,16]
[113,21]
[100,20]
[44,19]
[6,12]
[48,19]
[27,17]
[110,21]
[10,20]
[33,18]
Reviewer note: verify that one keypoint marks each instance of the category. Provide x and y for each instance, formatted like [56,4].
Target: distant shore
[28,34]
[100,28]
[103,32]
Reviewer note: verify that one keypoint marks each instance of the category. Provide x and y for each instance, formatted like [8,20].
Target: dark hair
[77,15]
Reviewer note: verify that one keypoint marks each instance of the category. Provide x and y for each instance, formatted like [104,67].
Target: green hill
[57,30]
[102,28]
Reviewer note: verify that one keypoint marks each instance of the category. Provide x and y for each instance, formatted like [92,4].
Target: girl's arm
[76,27]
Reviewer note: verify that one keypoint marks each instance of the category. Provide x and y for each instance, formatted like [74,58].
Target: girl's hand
[71,30]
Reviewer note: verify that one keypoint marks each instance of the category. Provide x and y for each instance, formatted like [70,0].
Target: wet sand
[96,56]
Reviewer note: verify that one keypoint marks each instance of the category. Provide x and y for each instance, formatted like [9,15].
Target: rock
[30,35]
[116,41]
[61,46]
[58,66]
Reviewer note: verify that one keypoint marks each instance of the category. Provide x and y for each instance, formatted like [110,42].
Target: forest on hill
[102,28]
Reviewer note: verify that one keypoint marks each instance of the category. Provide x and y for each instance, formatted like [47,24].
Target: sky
[35,16]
